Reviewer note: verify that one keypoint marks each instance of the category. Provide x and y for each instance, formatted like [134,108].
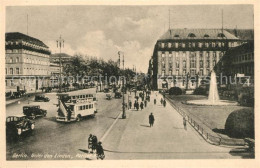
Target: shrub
[175,91]
[240,123]
[200,91]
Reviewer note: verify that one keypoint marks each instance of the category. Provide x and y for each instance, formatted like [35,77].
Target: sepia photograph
[129,82]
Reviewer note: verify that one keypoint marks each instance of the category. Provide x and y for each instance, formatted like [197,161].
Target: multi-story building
[237,66]
[184,57]
[26,62]
[66,60]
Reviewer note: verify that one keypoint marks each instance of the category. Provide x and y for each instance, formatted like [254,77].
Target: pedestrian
[130,104]
[94,143]
[154,101]
[142,105]
[145,103]
[164,102]
[137,106]
[90,142]
[151,119]
[184,123]
[100,151]
[161,101]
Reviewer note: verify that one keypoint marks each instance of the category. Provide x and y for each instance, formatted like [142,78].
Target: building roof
[243,34]
[14,36]
[63,55]
[197,34]
[244,48]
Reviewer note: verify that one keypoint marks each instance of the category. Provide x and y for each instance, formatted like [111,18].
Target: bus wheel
[78,118]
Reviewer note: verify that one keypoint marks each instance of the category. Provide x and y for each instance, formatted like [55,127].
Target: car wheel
[19,131]
[44,115]
[78,118]
[32,126]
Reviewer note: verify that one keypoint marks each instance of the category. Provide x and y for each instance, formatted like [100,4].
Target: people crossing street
[100,151]
[145,103]
[130,104]
[151,119]
[90,142]
[184,123]
[137,106]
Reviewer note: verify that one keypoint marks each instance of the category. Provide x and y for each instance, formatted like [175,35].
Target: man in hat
[151,119]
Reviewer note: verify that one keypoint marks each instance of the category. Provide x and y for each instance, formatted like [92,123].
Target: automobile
[118,95]
[34,111]
[108,96]
[18,124]
[41,98]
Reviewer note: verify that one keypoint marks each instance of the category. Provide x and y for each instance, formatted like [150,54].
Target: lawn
[214,117]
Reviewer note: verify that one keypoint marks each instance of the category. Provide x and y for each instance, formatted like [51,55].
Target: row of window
[193,54]
[195,44]
[30,71]
[25,44]
[244,70]
[184,72]
[20,51]
[245,57]
[84,107]
[27,60]
[81,96]
[192,63]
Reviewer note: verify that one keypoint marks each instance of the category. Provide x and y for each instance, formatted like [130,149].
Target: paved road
[129,138]
[66,140]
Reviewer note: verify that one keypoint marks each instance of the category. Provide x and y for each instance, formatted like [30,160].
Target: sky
[102,31]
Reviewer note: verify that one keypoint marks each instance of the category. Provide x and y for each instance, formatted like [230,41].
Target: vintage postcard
[166,83]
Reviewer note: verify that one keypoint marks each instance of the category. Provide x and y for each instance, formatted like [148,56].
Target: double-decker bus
[73,106]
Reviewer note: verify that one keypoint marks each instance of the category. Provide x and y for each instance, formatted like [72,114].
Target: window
[207,55]
[177,64]
[208,63]
[214,55]
[183,45]
[206,35]
[17,71]
[177,72]
[189,44]
[11,60]
[176,35]
[177,55]
[163,55]
[214,63]
[192,35]
[162,45]
[184,71]
[201,55]
[213,44]
[200,44]
[201,63]
[11,71]
[221,35]
[163,64]
[17,59]
[192,72]
[207,45]
[170,65]
[193,44]
[169,45]
[207,71]
[163,73]
[170,55]
[201,72]
[176,45]
[223,44]
[184,63]
[184,54]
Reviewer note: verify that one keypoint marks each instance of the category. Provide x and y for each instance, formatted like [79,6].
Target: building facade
[26,62]
[184,57]
[237,66]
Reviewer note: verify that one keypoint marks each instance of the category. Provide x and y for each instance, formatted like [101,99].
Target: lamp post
[123,83]
[60,43]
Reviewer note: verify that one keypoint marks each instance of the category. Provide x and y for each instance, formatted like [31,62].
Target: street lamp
[123,115]
[60,43]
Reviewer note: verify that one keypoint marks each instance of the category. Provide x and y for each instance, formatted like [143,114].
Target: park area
[211,118]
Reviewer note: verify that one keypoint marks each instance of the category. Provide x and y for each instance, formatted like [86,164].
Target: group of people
[137,105]
[163,102]
[96,146]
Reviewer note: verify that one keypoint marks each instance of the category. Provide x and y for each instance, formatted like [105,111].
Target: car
[118,95]
[18,124]
[41,98]
[34,111]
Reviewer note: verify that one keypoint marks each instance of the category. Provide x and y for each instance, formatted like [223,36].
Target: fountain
[213,98]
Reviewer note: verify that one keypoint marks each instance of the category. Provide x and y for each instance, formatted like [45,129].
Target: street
[129,138]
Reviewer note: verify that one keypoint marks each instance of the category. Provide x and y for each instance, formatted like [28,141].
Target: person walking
[145,103]
[130,104]
[164,103]
[161,101]
[184,123]
[154,101]
[137,106]
[100,151]
[90,142]
[142,105]
[151,119]
[94,143]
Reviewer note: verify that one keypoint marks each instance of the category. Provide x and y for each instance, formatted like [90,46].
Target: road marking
[110,128]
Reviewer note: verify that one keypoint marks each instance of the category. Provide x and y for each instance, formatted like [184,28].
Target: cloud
[95,43]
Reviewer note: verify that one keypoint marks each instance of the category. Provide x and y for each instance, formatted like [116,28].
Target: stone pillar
[159,63]
[204,62]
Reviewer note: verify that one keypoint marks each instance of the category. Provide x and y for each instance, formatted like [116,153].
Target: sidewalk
[132,138]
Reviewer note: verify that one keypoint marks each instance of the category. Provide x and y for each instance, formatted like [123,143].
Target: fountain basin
[211,103]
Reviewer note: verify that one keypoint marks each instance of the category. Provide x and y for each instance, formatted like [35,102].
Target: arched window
[191,35]
[17,59]
[11,71]
[221,35]
[206,35]
[11,60]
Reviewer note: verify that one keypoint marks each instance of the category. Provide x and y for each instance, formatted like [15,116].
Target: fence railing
[205,133]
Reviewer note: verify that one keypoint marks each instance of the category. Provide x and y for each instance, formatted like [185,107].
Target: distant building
[66,60]
[237,64]
[27,62]
[183,55]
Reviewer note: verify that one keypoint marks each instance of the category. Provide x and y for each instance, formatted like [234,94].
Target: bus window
[80,96]
[80,107]
[91,95]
